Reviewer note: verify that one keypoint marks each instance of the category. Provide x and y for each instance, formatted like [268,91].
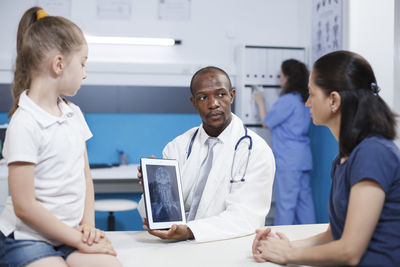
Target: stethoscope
[245,136]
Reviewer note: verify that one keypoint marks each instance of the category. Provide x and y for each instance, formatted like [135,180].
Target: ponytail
[22,75]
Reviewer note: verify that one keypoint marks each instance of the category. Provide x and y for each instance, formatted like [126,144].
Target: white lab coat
[226,210]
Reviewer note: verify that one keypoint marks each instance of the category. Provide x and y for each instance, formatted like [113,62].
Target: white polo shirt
[56,145]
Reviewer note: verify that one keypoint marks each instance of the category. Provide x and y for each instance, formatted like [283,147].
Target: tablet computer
[162,193]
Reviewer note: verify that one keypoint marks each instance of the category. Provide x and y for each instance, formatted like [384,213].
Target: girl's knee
[78,259]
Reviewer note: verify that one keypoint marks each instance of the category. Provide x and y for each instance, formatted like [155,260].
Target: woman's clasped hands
[269,246]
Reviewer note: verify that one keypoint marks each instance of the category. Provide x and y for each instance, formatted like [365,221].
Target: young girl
[364,208]
[289,121]
[49,176]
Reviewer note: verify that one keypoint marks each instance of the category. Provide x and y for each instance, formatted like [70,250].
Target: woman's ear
[335,101]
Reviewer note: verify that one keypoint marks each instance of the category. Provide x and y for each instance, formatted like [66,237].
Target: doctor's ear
[232,92]
[193,100]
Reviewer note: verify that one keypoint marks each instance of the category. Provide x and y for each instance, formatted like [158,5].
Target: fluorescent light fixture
[131,40]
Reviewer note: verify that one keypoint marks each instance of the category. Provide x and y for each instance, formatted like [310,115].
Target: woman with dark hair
[364,204]
[289,121]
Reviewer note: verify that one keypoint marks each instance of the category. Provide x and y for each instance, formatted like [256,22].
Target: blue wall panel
[3,118]
[138,135]
[324,148]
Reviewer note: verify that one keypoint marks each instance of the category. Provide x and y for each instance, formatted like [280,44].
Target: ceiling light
[131,40]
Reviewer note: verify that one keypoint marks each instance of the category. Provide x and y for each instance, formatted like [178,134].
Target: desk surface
[123,172]
[106,180]
[142,249]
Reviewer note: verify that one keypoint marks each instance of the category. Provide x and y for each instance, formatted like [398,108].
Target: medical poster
[114,9]
[326,27]
[174,10]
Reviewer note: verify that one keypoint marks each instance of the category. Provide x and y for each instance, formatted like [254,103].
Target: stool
[113,205]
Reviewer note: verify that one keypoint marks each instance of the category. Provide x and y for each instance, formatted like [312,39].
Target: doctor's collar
[224,136]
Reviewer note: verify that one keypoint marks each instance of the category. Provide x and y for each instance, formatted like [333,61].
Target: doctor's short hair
[209,69]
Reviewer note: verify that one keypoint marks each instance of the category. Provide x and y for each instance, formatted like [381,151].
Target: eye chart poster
[327,27]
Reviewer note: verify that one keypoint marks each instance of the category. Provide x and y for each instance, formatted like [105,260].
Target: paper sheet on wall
[178,10]
[56,7]
[114,9]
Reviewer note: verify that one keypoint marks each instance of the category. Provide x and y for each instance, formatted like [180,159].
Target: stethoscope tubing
[245,136]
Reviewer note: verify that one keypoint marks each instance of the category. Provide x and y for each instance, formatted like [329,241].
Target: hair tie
[375,89]
[41,14]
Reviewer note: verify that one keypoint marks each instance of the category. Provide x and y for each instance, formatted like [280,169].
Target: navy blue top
[289,120]
[377,159]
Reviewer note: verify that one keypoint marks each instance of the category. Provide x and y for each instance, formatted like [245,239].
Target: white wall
[372,32]
[216,27]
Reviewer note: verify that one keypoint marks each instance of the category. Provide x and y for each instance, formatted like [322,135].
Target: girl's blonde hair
[37,36]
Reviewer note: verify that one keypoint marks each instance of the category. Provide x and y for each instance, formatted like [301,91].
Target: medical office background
[136,98]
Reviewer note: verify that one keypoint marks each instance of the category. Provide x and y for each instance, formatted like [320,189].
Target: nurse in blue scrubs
[289,120]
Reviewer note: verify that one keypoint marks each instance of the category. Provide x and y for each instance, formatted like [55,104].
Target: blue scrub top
[289,120]
[377,159]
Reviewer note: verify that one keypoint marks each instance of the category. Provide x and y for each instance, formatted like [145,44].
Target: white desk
[120,179]
[142,249]
[106,180]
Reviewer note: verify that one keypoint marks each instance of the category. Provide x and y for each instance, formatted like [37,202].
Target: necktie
[204,171]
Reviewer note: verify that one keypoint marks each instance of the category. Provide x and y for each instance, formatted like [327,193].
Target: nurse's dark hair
[363,111]
[297,78]
[205,70]
[37,36]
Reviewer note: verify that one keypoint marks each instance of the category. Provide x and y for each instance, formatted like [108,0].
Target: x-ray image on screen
[164,193]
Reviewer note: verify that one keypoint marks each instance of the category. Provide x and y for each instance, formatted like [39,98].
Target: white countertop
[142,249]
[120,172]
[106,180]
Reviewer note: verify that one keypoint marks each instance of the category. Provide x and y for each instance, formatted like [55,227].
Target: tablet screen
[162,193]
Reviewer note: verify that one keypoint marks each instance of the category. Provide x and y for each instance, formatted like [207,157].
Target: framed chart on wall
[327,27]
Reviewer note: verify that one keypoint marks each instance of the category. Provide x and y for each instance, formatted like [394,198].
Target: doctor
[229,206]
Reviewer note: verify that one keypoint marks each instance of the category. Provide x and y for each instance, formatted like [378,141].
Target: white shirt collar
[44,118]
[224,137]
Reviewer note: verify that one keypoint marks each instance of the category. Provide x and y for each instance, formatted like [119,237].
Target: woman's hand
[90,234]
[275,248]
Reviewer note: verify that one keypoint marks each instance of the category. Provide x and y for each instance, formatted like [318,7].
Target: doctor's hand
[176,232]
[139,173]
[275,249]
